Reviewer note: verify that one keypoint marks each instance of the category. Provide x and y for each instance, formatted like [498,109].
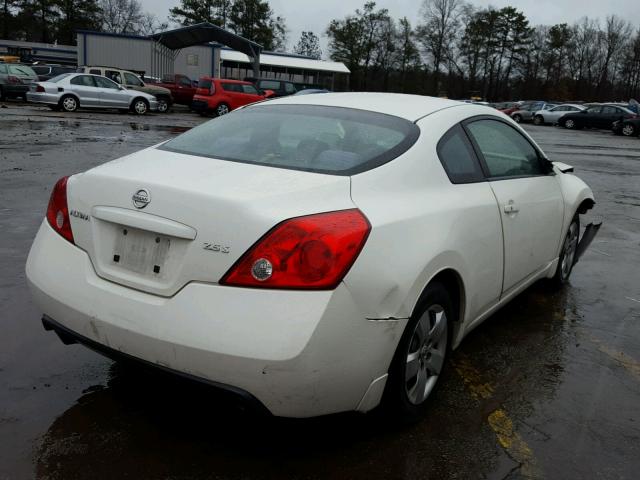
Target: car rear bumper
[40,97]
[11,90]
[199,105]
[299,353]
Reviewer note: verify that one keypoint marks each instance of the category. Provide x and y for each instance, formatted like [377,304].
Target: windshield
[312,138]
[22,70]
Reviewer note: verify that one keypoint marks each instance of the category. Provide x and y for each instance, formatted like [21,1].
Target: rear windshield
[22,70]
[204,84]
[41,70]
[312,138]
[57,78]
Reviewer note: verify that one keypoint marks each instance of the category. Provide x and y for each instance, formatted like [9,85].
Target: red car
[220,96]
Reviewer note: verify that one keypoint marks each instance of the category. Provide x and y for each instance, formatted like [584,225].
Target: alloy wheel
[569,250]
[163,106]
[628,130]
[69,104]
[222,109]
[140,107]
[569,124]
[426,353]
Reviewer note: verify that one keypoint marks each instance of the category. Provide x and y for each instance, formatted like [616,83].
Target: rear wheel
[69,103]
[222,109]
[567,258]
[517,118]
[538,120]
[570,124]
[420,356]
[629,130]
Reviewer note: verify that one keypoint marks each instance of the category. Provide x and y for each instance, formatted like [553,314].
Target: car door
[528,197]
[250,94]
[590,117]
[111,94]
[184,91]
[86,90]
[233,93]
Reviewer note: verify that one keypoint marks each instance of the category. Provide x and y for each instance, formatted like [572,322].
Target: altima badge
[141,198]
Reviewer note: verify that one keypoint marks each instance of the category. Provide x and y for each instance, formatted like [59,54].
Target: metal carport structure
[166,45]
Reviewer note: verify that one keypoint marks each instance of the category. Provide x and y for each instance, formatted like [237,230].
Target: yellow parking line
[498,420]
[630,364]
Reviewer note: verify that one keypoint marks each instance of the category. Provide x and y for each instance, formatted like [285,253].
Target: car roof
[229,80]
[410,107]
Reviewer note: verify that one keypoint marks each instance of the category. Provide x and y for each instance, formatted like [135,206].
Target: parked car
[220,96]
[309,91]
[552,115]
[132,81]
[45,72]
[526,111]
[280,88]
[507,107]
[181,87]
[269,253]
[598,116]
[629,127]
[15,79]
[71,91]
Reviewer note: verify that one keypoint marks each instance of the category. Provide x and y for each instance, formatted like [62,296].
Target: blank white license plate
[141,251]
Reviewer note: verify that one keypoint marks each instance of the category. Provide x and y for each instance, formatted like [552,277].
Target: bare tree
[121,16]
[437,32]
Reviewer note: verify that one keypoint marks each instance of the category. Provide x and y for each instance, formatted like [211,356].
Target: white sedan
[311,254]
[554,114]
[71,91]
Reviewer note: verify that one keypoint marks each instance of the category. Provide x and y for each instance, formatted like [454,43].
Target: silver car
[554,114]
[527,109]
[71,91]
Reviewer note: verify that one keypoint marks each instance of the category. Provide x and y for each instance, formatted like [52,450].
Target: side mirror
[563,167]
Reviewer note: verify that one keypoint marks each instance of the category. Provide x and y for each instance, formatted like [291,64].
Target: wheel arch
[451,279]
[69,94]
[139,97]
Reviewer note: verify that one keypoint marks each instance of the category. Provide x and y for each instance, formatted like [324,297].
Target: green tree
[308,45]
[191,12]
[74,15]
[37,18]
[8,18]
[254,19]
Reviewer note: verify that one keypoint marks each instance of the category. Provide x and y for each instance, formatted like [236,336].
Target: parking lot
[549,387]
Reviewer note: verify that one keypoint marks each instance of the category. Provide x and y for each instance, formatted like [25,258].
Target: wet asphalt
[549,387]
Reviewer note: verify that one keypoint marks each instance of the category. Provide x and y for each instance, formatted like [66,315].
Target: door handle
[511,207]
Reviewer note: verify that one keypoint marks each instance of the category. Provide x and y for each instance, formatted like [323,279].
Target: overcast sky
[315,15]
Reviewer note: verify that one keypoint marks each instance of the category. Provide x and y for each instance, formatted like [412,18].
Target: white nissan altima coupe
[312,254]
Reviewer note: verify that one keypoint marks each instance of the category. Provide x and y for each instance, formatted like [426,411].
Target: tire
[629,130]
[424,347]
[139,106]
[163,105]
[538,120]
[222,109]
[69,103]
[567,258]
[517,118]
[570,124]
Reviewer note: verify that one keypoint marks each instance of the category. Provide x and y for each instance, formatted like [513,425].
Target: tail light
[14,80]
[58,210]
[311,252]
[40,88]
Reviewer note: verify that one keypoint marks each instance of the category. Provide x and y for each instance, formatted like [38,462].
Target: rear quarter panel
[423,224]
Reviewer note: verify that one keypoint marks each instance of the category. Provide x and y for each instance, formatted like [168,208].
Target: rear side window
[204,84]
[249,89]
[312,138]
[95,71]
[458,158]
[506,152]
[231,87]
[83,80]
[270,85]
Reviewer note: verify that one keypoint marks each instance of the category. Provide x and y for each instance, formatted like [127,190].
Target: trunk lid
[157,220]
